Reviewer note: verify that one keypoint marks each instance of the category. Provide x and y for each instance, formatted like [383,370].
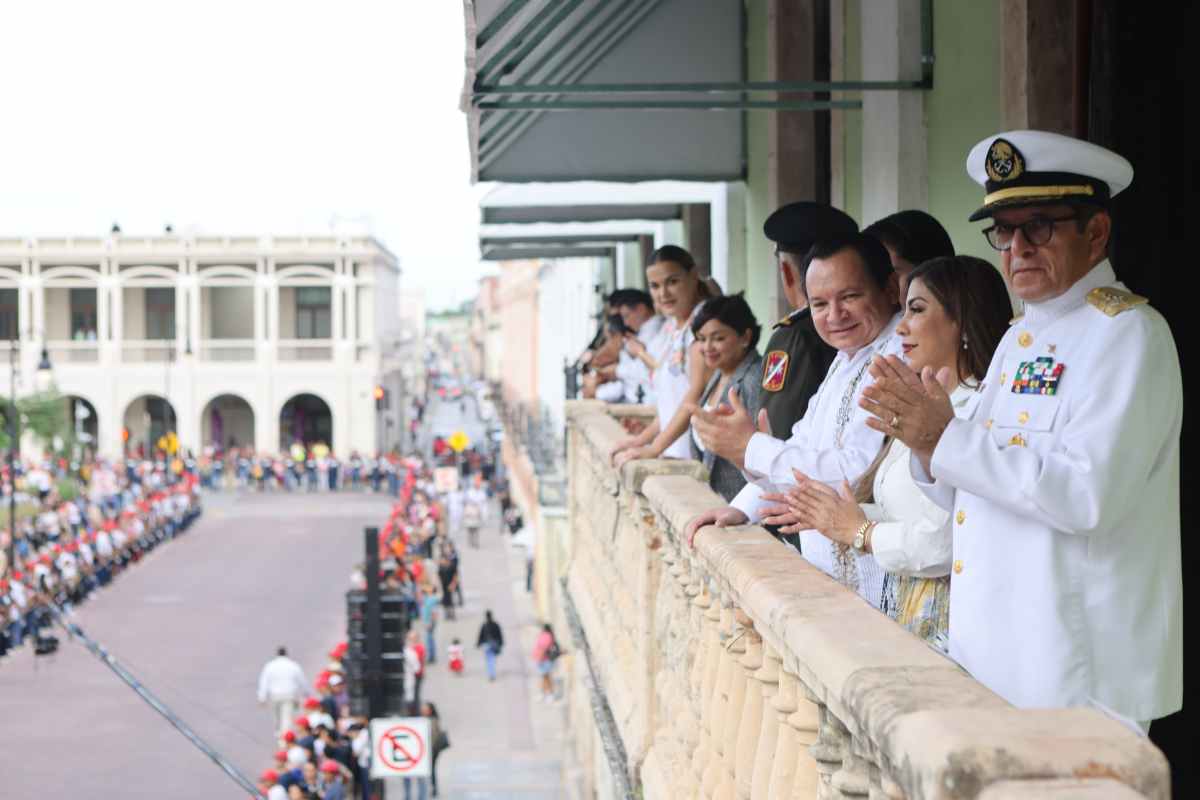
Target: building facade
[229,341]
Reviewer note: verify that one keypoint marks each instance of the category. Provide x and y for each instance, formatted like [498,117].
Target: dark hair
[630,298]
[974,296]
[914,235]
[732,310]
[872,254]
[282,651]
[675,254]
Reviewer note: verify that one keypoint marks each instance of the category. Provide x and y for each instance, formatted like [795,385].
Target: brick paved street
[195,622]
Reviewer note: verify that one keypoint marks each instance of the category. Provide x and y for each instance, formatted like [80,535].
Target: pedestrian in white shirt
[956,312]
[282,684]
[1066,584]
[849,289]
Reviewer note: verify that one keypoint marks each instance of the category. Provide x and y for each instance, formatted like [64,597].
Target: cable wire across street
[151,700]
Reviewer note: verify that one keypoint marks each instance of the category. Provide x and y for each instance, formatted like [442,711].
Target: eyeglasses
[1037,231]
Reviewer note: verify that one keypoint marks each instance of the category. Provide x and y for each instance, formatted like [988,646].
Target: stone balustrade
[734,670]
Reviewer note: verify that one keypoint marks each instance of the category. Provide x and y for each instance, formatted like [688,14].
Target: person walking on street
[545,652]
[429,620]
[448,576]
[491,639]
[282,684]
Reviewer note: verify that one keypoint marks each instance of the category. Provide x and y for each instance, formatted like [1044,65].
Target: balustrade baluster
[750,725]
[806,720]
[784,763]
[829,751]
[764,756]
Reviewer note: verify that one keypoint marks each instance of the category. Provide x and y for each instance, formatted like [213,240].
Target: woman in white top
[680,375]
[957,310]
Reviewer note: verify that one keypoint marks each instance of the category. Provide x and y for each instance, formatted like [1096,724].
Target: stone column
[714,721]
[894,145]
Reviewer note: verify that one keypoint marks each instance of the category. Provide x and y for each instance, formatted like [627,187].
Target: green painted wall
[760,271]
[964,107]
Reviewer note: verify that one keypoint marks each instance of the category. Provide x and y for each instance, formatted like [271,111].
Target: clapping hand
[726,431]
[912,408]
[835,513]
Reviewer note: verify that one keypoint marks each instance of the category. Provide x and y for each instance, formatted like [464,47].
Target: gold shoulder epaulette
[1113,301]
[1016,319]
[783,323]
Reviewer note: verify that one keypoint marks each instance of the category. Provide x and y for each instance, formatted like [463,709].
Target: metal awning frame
[486,85]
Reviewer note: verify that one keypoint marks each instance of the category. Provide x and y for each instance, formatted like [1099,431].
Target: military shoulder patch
[775,367]
[1113,301]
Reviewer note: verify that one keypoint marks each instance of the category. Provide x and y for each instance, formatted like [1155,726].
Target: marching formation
[77,531]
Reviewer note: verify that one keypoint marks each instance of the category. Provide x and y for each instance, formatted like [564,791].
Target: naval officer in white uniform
[1066,585]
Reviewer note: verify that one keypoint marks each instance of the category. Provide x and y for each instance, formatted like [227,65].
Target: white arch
[304,271]
[224,272]
[67,273]
[132,274]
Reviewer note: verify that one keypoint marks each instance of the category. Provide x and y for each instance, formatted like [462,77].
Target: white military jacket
[1064,489]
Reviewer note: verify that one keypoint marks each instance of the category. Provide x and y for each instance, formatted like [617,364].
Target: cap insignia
[1003,162]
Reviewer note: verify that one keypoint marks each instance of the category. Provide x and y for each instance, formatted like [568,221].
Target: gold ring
[895,420]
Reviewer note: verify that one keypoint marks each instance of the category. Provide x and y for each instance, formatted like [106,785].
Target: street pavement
[195,622]
[198,618]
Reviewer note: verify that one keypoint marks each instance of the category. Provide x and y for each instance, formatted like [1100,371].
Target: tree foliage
[43,414]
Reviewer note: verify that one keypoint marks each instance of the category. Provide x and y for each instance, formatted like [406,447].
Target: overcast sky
[242,116]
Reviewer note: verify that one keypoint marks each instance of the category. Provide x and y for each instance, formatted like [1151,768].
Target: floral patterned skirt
[920,605]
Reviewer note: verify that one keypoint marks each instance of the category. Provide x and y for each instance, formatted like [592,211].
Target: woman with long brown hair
[956,311]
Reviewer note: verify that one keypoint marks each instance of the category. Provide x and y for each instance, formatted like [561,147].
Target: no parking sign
[400,747]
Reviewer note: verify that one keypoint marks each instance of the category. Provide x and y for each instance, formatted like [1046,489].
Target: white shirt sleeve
[920,547]
[775,460]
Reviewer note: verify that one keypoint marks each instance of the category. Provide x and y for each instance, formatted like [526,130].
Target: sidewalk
[504,742]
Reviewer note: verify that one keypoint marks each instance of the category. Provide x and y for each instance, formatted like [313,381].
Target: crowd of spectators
[79,529]
[315,468]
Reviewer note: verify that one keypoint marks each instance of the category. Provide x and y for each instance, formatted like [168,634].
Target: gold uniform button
[1017,440]
[958,567]
[1025,339]
[1003,378]
[1023,417]
[988,424]
[961,517]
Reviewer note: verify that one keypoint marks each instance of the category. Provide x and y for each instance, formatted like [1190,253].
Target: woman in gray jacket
[727,332]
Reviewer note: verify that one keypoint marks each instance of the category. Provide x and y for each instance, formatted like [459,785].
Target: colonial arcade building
[228,340]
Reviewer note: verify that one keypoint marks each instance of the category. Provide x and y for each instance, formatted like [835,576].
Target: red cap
[269,776]
[302,722]
[312,703]
[289,737]
[281,755]
[45,558]
[330,766]
[18,576]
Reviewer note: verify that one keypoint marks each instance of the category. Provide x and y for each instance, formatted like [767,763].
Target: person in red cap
[331,784]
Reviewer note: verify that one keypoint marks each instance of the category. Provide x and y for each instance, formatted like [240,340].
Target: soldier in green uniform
[796,359]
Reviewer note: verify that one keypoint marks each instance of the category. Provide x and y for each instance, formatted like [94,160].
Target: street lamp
[12,461]
[44,377]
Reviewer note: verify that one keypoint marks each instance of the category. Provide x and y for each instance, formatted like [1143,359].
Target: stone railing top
[939,732]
